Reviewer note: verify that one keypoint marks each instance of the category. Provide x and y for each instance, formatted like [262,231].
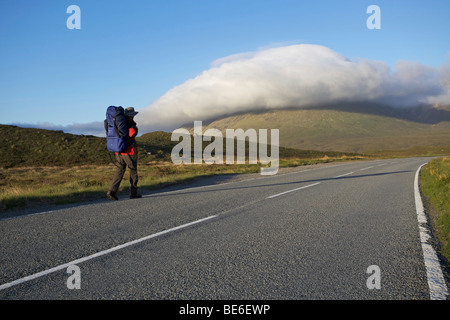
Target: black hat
[129,112]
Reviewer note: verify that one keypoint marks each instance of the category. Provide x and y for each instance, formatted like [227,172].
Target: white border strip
[98,254]
[436,282]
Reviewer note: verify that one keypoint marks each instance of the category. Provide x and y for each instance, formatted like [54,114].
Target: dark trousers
[124,161]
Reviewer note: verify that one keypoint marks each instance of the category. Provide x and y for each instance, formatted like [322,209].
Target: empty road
[342,231]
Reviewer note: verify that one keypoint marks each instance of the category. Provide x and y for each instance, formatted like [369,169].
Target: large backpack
[116,129]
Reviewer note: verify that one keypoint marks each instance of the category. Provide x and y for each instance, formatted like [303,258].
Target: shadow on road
[294,183]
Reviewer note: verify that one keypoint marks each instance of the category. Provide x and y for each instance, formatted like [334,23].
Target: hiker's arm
[132,132]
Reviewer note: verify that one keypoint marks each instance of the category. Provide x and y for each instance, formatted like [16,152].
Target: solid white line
[436,282]
[98,254]
[345,174]
[279,194]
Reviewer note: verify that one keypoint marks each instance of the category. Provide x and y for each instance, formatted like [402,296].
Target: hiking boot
[135,195]
[112,195]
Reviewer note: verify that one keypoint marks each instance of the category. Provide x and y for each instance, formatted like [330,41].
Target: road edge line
[435,277]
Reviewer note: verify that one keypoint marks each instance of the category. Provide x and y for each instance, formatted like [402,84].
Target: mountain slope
[30,147]
[348,128]
[39,147]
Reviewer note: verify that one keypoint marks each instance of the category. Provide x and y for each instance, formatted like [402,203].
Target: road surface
[342,231]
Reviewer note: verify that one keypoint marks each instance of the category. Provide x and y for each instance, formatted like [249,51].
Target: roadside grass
[435,186]
[423,151]
[27,187]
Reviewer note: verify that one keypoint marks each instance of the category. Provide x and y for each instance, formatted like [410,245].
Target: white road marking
[244,180]
[187,189]
[345,174]
[436,282]
[304,187]
[98,254]
[366,168]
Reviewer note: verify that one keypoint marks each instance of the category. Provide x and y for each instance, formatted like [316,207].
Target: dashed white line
[304,187]
[345,174]
[98,254]
[436,282]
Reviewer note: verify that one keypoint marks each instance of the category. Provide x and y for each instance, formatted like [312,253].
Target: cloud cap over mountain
[292,76]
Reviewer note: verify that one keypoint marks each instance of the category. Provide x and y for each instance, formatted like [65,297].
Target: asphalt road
[311,234]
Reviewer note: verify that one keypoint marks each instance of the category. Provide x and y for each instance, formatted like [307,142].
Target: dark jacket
[132,133]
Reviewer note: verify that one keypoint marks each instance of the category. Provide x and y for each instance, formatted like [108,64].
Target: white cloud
[291,76]
[444,80]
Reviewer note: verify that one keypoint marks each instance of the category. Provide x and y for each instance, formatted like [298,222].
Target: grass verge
[435,186]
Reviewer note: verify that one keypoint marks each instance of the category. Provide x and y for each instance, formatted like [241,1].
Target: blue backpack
[116,129]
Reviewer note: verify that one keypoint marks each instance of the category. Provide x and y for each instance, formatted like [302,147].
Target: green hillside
[38,147]
[346,129]
[29,147]
[304,133]
[160,146]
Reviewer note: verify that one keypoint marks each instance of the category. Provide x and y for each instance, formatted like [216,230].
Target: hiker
[127,158]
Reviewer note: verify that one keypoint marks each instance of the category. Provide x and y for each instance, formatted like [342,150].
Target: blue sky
[132,52]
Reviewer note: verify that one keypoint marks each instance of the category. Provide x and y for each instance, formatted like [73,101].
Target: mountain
[30,147]
[305,133]
[160,145]
[353,127]
[40,147]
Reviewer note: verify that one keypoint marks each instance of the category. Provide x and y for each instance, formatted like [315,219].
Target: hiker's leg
[132,166]
[118,175]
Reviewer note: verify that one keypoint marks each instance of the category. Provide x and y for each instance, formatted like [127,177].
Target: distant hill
[156,143]
[21,147]
[304,133]
[30,147]
[355,128]
[39,147]
[159,144]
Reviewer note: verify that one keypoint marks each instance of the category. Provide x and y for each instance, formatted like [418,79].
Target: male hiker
[127,158]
